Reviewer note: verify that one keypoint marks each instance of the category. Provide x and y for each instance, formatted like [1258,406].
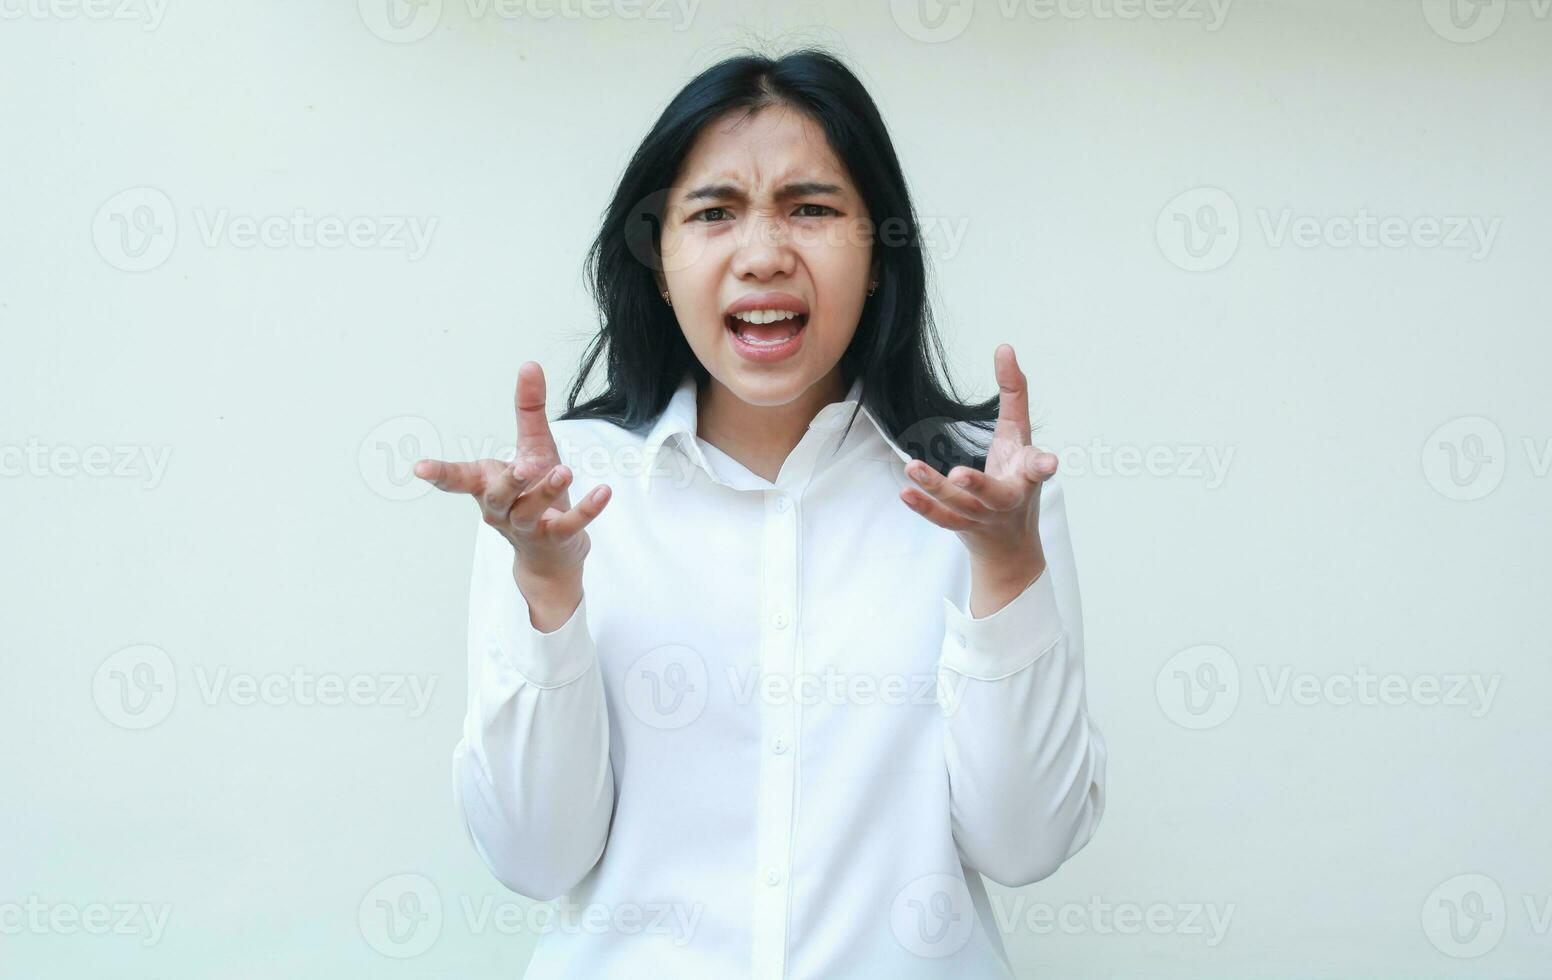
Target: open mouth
[772,332]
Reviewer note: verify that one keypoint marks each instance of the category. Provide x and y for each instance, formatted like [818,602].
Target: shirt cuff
[545,660]
[1006,641]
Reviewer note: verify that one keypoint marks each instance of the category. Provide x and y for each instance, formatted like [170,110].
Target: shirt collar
[677,421]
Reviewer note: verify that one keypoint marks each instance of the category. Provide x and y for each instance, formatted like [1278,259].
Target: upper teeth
[765,316]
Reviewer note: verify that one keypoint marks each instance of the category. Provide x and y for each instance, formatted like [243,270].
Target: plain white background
[1276,272]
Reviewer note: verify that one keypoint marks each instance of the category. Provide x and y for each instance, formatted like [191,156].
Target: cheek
[841,260]
[676,253]
[685,251]
[840,279]
[696,309]
[691,270]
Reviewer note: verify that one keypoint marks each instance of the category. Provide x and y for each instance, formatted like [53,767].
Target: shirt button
[783,502]
[772,876]
[778,745]
[779,620]
[959,640]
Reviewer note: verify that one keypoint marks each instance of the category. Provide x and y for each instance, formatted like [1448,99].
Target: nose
[763,249]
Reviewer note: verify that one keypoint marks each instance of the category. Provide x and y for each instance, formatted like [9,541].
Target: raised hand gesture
[995,513]
[526,499]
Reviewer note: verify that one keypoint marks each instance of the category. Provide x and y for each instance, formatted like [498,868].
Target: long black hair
[895,344]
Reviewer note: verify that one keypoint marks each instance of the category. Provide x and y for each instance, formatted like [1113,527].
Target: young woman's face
[763,211]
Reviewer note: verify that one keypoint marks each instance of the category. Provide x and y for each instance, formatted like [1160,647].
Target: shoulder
[593,432]
[597,448]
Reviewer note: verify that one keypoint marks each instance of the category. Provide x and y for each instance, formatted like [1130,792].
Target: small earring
[667,300]
[872,287]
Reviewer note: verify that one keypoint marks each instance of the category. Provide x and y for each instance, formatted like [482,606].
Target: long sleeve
[531,773]
[1026,764]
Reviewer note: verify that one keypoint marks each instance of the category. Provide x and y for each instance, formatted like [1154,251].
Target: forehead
[775,145]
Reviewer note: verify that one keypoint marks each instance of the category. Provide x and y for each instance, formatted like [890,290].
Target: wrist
[996,582]
[1013,569]
[551,599]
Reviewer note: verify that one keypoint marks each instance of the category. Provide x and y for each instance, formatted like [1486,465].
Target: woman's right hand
[526,500]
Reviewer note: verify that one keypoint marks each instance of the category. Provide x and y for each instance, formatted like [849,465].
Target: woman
[776,711]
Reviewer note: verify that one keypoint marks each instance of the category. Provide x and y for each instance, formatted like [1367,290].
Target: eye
[823,211]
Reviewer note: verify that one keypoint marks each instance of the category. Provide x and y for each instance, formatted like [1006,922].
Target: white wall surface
[1256,420]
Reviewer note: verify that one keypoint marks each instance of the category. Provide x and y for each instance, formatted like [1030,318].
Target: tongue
[780,330]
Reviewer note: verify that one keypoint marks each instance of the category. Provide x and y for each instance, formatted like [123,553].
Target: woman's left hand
[996,513]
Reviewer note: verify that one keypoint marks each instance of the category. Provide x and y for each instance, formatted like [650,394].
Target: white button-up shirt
[771,742]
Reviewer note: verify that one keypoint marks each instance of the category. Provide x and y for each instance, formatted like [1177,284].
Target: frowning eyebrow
[727,192]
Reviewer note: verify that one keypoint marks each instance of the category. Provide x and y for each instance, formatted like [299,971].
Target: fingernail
[961,480]
[557,477]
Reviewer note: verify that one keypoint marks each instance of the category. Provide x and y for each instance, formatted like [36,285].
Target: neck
[760,437]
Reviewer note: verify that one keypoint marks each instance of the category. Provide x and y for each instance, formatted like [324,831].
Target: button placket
[781,656]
